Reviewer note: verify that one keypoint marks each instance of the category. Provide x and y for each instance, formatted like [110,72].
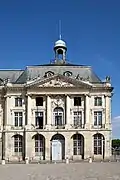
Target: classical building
[55,111]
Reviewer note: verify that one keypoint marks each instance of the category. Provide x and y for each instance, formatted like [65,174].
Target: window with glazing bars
[18,118]
[97,118]
[98,101]
[18,102]
[18,144]
[77,115]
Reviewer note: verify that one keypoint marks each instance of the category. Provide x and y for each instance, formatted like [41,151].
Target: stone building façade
[55,111]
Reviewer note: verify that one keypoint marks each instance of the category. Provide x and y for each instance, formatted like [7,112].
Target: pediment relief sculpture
[56,83]
[78,77]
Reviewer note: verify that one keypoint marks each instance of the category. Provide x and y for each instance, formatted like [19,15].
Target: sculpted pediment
[58,81]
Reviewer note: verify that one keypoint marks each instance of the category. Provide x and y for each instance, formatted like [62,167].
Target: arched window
[18,144]
[40,146]
[78,144]
[58,116]
[98,144]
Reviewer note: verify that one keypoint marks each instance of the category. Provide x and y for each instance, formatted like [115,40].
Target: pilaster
[49,121]
[108,111]
[47,148]
[29,113]
[87,111]
[68,115]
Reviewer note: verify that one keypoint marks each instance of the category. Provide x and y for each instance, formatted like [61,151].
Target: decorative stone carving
[78,77]
[57,101]
[56,83]
[48,74]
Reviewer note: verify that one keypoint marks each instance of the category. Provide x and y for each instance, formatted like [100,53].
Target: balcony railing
[54,126]
[78,126]
[102,126]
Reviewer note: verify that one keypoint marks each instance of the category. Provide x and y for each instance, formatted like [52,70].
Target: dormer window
[67,73]
[49,73]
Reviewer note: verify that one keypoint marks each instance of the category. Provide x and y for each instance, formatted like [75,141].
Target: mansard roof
[32,72]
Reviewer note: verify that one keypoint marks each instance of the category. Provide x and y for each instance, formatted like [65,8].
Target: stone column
[68,115]
[108,111]
[49,117]
[87,111]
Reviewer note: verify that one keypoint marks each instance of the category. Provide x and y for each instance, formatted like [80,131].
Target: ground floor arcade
[56,145]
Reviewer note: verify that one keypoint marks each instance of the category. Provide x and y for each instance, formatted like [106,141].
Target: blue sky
[91,28]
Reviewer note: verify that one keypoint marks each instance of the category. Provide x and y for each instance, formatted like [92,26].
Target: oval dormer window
[67,73]
[49,73]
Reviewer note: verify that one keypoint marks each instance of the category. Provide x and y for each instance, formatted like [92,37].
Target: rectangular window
[98,101]
[18,102]
[97,118]
[18,118]
[39,120]
[77,101]
[18,145]
[77,118]
[39,101]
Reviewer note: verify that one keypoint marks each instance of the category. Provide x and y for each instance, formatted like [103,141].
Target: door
[56,150]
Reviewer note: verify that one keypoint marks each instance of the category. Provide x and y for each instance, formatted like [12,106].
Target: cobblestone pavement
[76,171]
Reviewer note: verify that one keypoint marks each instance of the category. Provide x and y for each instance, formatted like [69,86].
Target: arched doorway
[57,147]
[78,145]
[39,147]
[58,116]
[99,144]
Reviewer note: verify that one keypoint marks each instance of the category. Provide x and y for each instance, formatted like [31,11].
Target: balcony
[62,126]
[77,126]
[102,126]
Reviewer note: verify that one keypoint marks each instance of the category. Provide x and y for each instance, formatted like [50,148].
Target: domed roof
[60,43]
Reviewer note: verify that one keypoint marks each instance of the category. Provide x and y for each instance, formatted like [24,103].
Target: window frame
[98,144]
[18,144]
[18,102]
[78,101]
[18,119]
[98,122]
[40,102]
[78,145]
[38,114]
[39,145]
[98,101]
[77,117]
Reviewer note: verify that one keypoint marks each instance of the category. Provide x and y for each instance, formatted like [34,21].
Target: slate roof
[31,72]
[10,74]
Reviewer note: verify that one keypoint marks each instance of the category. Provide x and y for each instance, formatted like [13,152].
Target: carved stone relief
[57,101]
[56,83]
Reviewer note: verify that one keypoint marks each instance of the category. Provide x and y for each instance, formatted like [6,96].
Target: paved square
[77,171]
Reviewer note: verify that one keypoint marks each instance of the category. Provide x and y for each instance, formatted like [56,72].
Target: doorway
[57,147]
